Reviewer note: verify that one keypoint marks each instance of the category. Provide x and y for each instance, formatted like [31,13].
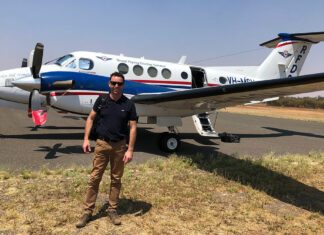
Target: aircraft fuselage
[142,75]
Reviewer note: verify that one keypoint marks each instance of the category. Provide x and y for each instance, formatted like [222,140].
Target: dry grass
[180,195]
[278,112]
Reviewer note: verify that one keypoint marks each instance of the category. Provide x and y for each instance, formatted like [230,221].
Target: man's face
[116,85]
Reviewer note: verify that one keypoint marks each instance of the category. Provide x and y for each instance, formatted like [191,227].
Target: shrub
[306,102]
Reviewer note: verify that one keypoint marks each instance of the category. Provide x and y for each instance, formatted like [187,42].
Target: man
[112,129]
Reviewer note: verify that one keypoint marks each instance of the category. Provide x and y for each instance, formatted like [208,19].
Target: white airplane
[163,92]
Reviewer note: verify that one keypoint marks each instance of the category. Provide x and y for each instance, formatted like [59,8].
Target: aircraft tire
[169,142]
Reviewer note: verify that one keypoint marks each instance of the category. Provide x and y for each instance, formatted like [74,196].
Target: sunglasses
[116,83]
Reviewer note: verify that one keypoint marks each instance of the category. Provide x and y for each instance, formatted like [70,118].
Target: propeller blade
[30,60]
[39,117]
[39,111]
[24,63]
[37,60]
[29,112]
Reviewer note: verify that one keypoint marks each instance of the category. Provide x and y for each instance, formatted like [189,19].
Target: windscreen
[61,60]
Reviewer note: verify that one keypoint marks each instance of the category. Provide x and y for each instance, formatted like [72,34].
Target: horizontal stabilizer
[314,37]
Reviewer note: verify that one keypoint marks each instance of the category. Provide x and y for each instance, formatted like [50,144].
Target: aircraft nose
[28,83]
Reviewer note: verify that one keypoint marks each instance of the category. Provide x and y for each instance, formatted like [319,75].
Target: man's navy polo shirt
[114,117]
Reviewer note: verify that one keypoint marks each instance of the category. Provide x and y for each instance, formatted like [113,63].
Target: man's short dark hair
[117,74]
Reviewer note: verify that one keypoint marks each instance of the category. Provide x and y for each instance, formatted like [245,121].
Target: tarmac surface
[58,143]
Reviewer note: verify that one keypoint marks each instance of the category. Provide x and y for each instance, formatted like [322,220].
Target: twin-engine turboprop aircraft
[163,92]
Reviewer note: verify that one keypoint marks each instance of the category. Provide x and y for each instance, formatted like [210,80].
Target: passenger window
[85,64]
[138,70]
[71,65]
[222,80]
[166,73]
[152,72]
[123,68]
[184,75]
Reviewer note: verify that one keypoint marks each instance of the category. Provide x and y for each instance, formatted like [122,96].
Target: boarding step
[203,125]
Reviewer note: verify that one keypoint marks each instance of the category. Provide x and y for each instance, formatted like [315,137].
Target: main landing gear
[169,141]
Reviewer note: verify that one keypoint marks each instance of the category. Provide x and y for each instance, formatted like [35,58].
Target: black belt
[108,139]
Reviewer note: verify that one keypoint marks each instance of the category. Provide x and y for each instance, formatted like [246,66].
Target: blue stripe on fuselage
[84,81]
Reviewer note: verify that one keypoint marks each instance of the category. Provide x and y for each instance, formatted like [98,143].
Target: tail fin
[288,55]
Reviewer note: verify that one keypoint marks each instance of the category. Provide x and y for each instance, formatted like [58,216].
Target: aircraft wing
[210,98]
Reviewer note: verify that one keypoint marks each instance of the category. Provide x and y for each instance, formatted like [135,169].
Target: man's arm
[132,137]
[86,143]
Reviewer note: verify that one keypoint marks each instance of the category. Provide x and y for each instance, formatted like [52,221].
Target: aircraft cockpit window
[61,60]
[123,68]
[71,65]
[152,72]
[166,73]
[138,70]
[85,64]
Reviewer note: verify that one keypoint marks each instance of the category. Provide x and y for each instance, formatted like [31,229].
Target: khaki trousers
[105,152]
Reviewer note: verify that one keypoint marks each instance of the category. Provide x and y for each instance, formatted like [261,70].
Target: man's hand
[86,143]
[128,156]
[86,146]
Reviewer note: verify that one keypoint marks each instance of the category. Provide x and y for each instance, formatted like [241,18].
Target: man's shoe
[83,220]
[114,217]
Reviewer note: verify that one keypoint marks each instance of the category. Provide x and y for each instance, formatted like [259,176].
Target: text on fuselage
[235,80]
[299,57]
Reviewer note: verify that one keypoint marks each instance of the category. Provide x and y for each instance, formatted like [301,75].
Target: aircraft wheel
[169,142]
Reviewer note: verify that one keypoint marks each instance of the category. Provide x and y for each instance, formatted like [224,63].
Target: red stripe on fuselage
[168,82]
[284,44]
[164,82]
[100,93]
[75,93]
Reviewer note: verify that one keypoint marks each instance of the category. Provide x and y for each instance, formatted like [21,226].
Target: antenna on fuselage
[182,59]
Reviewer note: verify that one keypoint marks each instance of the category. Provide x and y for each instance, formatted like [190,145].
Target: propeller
[36,109]
[39,110]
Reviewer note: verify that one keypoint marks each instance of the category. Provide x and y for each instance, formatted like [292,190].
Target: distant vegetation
[306,102]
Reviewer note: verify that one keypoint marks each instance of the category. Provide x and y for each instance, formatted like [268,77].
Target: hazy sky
[162,30]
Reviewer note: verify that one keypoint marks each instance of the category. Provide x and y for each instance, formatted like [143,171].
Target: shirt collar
[121,99]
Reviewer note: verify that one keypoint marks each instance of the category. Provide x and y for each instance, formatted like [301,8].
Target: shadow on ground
[277,185]
[52,152]
[280,133]
[46,136]
[36,128]
[126,206]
